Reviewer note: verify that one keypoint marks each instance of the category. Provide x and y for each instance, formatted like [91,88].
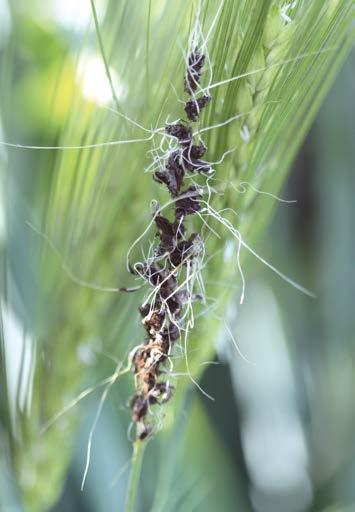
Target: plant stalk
[136,467]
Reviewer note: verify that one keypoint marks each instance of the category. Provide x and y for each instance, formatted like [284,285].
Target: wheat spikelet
[254,90]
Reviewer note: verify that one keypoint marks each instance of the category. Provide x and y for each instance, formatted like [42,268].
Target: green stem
[136,467]
[147,54]
[103,54]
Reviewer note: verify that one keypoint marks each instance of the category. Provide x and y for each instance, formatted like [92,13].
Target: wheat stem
[136,468]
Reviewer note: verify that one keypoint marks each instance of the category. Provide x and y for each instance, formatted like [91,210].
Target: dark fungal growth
[194,70]
[193,107]
[174,254]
